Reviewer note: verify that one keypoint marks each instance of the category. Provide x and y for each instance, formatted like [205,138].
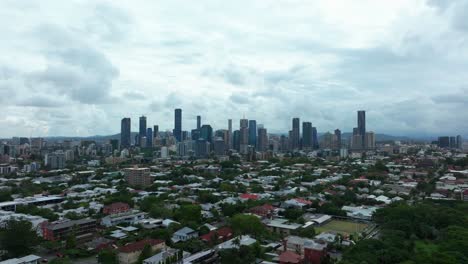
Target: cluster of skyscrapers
[251,137]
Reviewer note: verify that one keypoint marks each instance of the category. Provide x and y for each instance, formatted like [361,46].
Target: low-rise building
[129,217]
[83,229]
[116,208]
[29,259]
[129,253]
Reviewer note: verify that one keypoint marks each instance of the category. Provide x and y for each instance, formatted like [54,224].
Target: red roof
[139,245]
[222,233]
[304,201]
[116,205]
[289,257]
[249,196]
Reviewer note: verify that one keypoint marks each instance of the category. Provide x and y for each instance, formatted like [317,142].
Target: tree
[188,213]
[145,253]
[18,238]
[107,256]
[5,196]
[247,224]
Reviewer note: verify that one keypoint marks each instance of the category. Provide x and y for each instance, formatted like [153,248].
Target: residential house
[184,234]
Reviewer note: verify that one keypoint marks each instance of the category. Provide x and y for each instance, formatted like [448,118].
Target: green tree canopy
[18,238]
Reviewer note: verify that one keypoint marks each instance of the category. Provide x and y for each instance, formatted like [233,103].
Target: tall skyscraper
[315,142]
[262,143]
[178,124]
[149,137]
[229,142]
[236,140]
[125,133]
[253,133]
[206,132]
[244,136]
[361,116]
[198,122]
[295,135]
[338,138]
[307,135]
[459,142]
[142,131]
[155,131]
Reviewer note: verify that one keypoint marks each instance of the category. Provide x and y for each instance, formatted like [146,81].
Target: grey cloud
[74,68]
[40,101]
[109,23]
[133,95]
[239,99]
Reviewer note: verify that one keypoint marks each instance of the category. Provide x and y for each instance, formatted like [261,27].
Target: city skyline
[77,68]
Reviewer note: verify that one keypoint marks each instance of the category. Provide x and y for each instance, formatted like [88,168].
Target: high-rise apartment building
[138,177]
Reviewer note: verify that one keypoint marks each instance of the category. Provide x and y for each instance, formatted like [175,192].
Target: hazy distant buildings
[315,142]
[337,139]
[125,133]
[450,142]
[370,140]
[444,142]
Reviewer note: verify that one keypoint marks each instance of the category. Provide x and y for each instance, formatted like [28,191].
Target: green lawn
[342,227]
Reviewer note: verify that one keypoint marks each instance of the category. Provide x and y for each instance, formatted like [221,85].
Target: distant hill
[383,137]
[346,135]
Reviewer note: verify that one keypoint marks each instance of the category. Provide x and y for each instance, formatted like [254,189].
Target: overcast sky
[77,67]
